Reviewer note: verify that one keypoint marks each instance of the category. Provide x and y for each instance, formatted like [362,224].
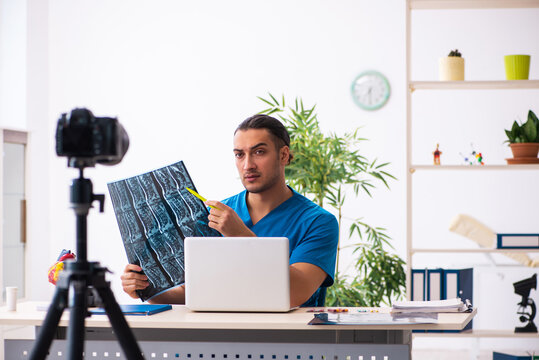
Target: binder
[435,288]
[419,284]
[521,356]
[518,241]
[442,284]
[459,283]
[137,309]
[419,287]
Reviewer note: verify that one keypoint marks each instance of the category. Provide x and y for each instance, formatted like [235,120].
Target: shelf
[484,250]
[472,4]
[474,85]
[414,168]
[480,87]
[481,333]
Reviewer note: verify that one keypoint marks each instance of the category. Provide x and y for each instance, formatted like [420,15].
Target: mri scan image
[155,213]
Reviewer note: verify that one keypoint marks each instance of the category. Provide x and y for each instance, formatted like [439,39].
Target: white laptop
[237,274]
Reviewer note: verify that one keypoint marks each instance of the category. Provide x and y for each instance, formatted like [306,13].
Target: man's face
[260,164]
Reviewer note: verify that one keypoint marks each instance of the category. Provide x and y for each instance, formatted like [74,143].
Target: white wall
[23,105]
[40,149]
[13,64]
[181,75]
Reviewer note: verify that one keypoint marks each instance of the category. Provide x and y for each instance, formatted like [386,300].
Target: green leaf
[275,100]
[273,111]
[533,117]
[515,130]
[265,111]
[510,136]
[266,101]
[529,130]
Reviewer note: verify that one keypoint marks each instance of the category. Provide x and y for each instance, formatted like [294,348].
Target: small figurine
[474,158]
[437,154]
[478,157]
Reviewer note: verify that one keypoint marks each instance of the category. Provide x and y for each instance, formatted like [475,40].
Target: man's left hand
[225,220]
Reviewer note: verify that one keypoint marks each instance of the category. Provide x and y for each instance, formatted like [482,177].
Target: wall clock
[370,90]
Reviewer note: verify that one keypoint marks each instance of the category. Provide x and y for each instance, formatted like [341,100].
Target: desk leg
[407,339]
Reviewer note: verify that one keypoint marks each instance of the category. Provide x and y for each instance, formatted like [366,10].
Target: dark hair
[274,126]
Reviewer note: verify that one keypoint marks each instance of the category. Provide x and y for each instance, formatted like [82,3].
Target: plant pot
[524,153]
[451,68]
[517,67]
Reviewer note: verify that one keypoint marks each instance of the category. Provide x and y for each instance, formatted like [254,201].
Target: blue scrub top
[313,234]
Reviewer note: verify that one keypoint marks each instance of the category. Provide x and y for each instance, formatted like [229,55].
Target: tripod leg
[48,329]
[119,324]
[77,315]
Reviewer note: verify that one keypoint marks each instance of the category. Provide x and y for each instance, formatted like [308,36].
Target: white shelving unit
[471,4]
[473,85]
[439,86]
[414,168]
[479,251]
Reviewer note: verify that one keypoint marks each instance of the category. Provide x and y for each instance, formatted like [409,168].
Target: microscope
[523,288]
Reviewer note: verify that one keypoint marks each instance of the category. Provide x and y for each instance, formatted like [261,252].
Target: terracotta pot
[525,150]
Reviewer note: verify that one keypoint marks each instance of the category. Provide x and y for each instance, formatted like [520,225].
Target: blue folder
[514,242]
[502,356]
[463,290]
[137,309]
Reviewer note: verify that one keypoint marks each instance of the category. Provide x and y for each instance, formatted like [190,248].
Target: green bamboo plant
[324,168]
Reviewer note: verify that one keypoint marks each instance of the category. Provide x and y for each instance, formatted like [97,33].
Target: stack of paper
[372,319]
[449,305]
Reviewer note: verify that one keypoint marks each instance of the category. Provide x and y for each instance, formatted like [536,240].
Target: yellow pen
[200,197]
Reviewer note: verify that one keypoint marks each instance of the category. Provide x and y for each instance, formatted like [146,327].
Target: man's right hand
[132,280]
[225,220]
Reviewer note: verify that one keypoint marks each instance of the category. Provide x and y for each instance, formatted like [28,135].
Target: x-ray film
[155,212]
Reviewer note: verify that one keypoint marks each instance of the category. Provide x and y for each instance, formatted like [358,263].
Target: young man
[268,208]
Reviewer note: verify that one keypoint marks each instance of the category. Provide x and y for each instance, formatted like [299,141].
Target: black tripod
[79,275]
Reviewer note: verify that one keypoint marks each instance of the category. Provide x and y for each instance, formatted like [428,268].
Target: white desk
[182,334]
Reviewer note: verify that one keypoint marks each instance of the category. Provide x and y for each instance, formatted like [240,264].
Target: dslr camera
[87,140]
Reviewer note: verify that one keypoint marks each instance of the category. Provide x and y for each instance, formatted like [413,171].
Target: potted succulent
[451,67]
[524,140]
